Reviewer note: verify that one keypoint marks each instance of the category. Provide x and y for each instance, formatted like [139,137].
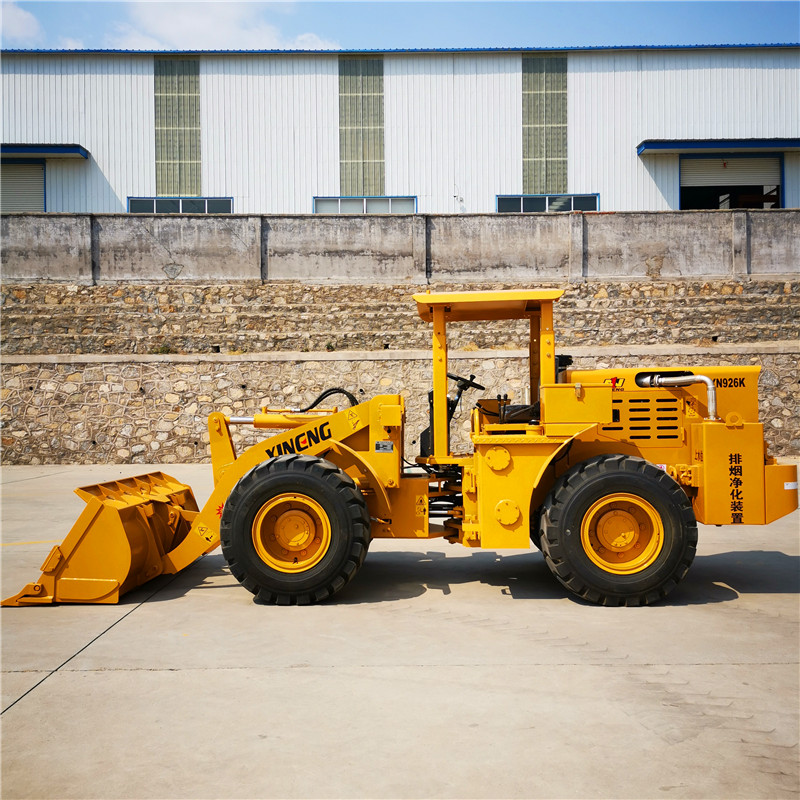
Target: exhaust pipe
[688,380]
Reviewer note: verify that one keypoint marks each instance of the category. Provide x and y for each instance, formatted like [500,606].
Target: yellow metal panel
[386,439]
[567,430]
[441,434]
[780,489]
[534,353]
[731,488]
[518,439]
[504,492]
[223,453]
[409,512]
[390,416]
[87,590]
[505,304]
[547,345]
[575,403]
[284,419]
[737,387]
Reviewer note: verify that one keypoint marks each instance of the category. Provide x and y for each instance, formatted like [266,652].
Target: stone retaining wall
[128,373]
[253,318]
[138,410]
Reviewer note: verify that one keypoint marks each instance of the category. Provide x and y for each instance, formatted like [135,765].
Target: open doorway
[730,197]
[730,182]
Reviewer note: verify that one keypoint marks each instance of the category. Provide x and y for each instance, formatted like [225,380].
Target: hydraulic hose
[328,393]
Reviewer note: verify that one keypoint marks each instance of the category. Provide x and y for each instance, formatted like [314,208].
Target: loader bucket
[117,543]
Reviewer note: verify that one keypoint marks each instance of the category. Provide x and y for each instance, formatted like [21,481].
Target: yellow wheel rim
[291,533]
[622,534]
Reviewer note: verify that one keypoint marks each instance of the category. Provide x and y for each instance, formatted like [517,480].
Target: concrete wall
[98,249]
[318,249]
[501,247]
[132,248]
[772,247]
[46,247]
[659,245]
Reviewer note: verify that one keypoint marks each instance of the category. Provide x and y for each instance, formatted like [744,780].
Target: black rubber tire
[536,527]
[575,493]
[346,510]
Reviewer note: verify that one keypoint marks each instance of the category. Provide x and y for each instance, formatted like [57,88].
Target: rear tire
[616,530]
[295,530]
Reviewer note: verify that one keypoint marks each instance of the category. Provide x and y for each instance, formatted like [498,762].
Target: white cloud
[68,43]
[205,26]
[310,41]
[125,36]
[19,27]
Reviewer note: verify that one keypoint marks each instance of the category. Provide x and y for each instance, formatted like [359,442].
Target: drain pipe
[687,380]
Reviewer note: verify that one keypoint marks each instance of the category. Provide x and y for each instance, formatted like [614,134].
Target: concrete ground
[438,672]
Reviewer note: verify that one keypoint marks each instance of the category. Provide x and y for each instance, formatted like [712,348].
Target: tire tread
[357,512]
[578,477]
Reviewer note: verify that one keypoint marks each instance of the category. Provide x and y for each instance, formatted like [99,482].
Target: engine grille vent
[655,421]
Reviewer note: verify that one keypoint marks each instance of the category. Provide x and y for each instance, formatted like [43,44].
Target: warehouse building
[439,132]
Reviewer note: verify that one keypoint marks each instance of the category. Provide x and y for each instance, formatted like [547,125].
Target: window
[544,124]
[365,205]
[180,205]
[361,147]
[541,203]
[177,118]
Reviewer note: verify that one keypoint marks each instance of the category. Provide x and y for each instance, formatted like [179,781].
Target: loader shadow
[717,578]
[724,576]
[389,576]
[402,575]
[208,572]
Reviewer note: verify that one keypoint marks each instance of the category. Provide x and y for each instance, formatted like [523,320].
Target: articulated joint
[687,380]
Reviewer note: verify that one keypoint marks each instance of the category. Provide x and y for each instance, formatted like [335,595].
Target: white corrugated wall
[270,130]
[104,103]
[453,129]
[453,123]
[618,99]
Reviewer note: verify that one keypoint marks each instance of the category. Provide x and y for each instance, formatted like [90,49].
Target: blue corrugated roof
[650,146]
[44,150]
[412,50]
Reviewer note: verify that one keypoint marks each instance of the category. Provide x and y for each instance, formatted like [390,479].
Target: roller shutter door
[730,172]
[21,187]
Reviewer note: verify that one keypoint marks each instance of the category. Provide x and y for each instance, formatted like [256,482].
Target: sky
[386,25]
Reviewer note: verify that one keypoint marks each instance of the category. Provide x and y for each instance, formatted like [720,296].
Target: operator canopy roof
[467,306]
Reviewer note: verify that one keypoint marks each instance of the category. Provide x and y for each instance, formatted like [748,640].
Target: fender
[542,486]
[345,458]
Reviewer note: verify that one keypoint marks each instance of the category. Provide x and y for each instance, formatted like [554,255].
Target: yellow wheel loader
[607,471]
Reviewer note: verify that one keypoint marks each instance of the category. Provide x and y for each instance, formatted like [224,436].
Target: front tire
[295,530]
[616,530]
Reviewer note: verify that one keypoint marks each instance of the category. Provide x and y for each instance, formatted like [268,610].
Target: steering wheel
[465,383]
